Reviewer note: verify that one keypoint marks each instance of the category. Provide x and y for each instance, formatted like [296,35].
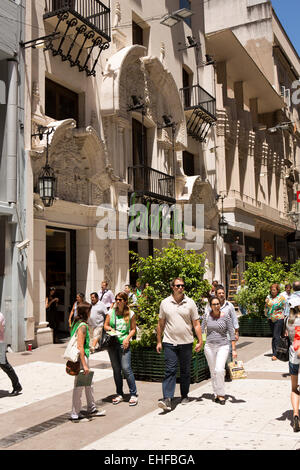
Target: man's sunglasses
[179,285]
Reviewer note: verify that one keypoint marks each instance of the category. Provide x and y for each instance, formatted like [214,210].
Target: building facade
[13,256]
[136,104]
[257,73]
[119,105]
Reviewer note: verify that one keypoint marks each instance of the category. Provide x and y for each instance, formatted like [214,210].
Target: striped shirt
[217,328]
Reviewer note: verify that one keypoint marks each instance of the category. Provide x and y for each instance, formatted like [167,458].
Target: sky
[288,12]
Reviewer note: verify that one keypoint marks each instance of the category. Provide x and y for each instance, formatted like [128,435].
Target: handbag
[237,371]
[73,368]
[72,352]
[282,350]
[283,347]
[107,341]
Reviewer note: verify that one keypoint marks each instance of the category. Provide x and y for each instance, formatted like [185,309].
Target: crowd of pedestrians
[178,322]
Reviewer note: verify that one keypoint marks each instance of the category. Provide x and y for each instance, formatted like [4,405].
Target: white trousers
[216,357]
[76,399]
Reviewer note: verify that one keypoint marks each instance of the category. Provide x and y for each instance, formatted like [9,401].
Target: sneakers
[184,401]
[296,426]
[16,391]
[165,404]
[77,418]
[97,412]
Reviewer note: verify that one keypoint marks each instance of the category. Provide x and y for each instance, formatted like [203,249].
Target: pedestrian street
[257,414]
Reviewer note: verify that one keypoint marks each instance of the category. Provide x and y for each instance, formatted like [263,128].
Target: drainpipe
[12,115]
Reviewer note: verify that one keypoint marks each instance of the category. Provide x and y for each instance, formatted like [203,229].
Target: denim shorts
[293,368]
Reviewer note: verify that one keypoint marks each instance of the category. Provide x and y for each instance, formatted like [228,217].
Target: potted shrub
[258,278]
[158,271]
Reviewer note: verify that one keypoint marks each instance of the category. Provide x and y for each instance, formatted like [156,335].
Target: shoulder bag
[72,352]
[107,341]
[282,350]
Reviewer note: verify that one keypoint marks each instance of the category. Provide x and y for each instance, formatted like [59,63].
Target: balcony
[146,181]
[200,111]
[83,31]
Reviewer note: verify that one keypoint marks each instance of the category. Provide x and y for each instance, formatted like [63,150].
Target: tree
[158,271]
[258,278]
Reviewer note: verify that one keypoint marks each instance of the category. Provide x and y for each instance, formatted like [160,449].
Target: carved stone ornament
[79,160]
[129,72]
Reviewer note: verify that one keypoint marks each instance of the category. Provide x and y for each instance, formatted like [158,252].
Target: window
[139,143]
[57,4]
[60,102]
[137,34]
[186,83]
[186,4]
[188,164]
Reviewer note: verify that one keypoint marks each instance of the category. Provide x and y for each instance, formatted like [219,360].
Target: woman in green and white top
[80,327]
[121,320]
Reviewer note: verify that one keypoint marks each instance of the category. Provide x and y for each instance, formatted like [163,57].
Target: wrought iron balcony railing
[149,182]
[195,96]
[93,12]
[200,110]
[82,26]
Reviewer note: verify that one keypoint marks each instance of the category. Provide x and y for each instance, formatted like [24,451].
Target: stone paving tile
[264,363]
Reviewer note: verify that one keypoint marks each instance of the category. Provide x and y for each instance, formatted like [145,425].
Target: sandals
[118,399]
[133,400]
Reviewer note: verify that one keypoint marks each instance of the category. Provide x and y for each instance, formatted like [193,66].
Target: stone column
[43,332]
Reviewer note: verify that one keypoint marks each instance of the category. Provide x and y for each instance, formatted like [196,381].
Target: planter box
[150,366]
[254,327]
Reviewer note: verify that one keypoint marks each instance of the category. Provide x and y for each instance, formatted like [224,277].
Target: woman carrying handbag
[121,320]
[80,327]
[216,348]
[274,311]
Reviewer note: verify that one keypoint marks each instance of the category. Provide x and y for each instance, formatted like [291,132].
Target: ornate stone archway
[130,72]
[80,163]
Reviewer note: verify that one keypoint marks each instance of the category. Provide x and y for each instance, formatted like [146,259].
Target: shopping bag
[237,370]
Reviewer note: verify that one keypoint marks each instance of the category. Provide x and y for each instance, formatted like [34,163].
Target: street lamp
[294,216]
[47,179]
[223,224]
[283,126]
[175,17]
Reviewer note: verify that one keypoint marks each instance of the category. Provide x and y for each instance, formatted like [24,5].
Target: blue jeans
[173,354]
[276,328]
[121,361]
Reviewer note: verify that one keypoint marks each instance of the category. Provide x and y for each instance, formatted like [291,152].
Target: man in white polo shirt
[178,316]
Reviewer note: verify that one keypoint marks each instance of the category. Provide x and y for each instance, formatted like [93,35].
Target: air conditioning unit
[286,95]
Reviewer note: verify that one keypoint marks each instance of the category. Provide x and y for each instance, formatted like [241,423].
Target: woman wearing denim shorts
[292,323]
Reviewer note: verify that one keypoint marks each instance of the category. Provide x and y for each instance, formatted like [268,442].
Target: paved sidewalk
[257,414]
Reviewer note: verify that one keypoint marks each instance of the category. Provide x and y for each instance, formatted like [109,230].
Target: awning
[225,47]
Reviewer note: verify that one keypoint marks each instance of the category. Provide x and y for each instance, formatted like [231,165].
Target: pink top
[2,327]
